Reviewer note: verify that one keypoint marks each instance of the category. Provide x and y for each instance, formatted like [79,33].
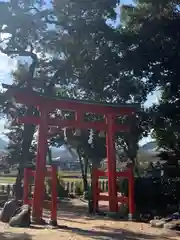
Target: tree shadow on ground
[78,205]
[115,234]
[14,236]
[74,216]
[80,208]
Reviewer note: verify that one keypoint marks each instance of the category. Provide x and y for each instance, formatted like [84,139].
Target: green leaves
[150,53]
[73,52]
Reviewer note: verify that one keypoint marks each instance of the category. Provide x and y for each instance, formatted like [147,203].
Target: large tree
[89,42]
[21,29]
[72,46]
[150,52]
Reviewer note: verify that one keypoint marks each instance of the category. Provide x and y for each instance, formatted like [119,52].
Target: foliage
[18,140]
[149,43]
[14,148]
[61,192]
[165,124]
[79,189]
[73,51]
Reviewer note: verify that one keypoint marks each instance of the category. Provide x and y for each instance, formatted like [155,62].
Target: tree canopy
[73,48]
[150,52]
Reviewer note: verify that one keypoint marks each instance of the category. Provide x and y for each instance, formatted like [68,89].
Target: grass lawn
[11,180]
[7,180]
[66,176]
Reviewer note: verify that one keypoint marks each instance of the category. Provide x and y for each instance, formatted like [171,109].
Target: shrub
[122,186]
[61,187]
[87,195]
[61,192]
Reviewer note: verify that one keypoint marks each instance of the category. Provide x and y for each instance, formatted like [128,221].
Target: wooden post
[40,167]
[111,157]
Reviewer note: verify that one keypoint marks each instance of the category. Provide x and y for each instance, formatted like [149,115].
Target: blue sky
[7,65]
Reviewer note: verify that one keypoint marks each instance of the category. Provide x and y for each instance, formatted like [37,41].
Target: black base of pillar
[53,223]
[38,221]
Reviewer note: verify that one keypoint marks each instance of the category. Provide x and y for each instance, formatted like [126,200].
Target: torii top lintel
[33,98]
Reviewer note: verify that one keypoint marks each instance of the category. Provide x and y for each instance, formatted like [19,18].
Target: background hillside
[147,152]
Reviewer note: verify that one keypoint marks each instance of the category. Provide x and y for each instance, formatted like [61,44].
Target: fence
[70,187]
[149,193]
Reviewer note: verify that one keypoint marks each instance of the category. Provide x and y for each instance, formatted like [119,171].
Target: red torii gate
[45,105]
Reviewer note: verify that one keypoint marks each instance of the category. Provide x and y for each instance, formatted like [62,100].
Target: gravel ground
[74,224]
[80,228]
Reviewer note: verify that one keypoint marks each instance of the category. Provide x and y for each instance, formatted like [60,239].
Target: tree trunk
[18,184]
[28,134]
[135,166]
[84,167]
[85,181]
[29,129]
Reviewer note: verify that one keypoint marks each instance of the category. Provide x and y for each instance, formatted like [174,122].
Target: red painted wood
[26,186]
[79,116]
[73,123]
[123,199]
[101,173]
[111,157]
[52,205]
[31,172]
[124,174]
[40,167]
[30,202]
[50,103]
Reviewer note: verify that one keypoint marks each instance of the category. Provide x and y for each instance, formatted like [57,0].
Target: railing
[70,187]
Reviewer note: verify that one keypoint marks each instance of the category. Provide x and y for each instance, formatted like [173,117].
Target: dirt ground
[74,224]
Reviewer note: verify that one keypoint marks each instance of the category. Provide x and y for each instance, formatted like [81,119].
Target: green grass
[65,176]
[11,180]
[8,180]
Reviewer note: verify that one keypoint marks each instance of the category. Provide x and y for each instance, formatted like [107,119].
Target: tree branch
[51,21]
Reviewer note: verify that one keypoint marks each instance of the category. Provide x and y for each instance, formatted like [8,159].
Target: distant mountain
[148,153]
[63,153]
[149,147]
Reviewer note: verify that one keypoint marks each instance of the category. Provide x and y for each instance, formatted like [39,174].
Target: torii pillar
[38,198]
[111,157]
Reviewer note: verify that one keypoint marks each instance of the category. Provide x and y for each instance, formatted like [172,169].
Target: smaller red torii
[45,105]
[52,204]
